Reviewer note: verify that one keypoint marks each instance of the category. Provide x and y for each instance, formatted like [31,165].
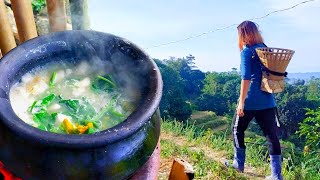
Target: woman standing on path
[254,103]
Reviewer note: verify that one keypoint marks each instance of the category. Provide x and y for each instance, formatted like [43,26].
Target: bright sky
[149,23]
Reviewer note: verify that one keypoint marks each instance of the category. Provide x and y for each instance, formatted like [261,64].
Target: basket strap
[268,71]
[263,67]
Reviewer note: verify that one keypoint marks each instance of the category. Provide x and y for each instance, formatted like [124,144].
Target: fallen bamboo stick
[23,15]
[57,15]
[7,41]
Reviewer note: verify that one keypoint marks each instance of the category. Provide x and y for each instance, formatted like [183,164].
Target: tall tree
[191,76]
[221,90]
[292,104]
[173,103]
[313,92]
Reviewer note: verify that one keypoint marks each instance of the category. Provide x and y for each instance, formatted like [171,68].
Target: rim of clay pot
[132,124]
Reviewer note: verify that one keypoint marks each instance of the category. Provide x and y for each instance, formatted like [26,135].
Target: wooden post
[23,15]
[7,41]
[181,170]
[57,15]
[79,14]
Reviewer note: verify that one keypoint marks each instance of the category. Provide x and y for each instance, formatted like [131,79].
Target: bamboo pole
[79,14]
[57,15]
[23,15]
[7,41]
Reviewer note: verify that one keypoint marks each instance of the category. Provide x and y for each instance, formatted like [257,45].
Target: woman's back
[251,70]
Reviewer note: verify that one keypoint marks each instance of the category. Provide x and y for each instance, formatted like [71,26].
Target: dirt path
[219,156]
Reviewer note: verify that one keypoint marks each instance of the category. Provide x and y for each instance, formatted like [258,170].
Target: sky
[149,23]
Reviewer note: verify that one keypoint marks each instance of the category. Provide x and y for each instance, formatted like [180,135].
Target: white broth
[70,99]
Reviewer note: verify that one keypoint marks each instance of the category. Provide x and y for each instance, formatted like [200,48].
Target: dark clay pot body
[115,153]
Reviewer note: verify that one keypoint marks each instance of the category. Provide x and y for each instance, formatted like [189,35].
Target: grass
[295,164]
[204,168]
[207,120]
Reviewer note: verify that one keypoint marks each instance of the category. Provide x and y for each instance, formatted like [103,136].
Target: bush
[310,128]
[37,5]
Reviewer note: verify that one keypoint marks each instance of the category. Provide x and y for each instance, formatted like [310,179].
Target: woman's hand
[243,94]
[240,107]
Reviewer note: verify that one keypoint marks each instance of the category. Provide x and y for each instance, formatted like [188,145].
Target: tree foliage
[310,128]
[291,104]
[174,102]
[314,89]
[220,92]
[186,88]
[192,77]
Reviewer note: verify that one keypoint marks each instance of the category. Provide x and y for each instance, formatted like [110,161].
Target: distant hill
[304,76]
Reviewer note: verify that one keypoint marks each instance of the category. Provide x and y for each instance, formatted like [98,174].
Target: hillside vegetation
[198,108]
[207,149]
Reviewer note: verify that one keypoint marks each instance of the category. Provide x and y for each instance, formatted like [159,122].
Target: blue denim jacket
[251,70]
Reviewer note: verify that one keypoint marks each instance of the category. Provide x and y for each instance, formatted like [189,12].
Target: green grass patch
[212,124]
[204,168]
[208,120]
[296,165]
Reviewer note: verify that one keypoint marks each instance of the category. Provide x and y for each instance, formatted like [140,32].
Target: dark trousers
[266,119]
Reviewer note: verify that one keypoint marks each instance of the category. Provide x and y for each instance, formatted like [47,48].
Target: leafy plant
[37,5]
[48,100]
[104,83]
[72,104]
[310,128]
[52,79]
[84,117]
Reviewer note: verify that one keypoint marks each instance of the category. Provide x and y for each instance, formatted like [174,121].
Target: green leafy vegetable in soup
[66,101]
[53,78]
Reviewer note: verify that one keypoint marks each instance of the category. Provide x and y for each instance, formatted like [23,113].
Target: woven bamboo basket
[271,86]
[275,59]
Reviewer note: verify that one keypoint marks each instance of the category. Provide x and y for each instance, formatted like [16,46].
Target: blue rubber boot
[239,159]
[275,163]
